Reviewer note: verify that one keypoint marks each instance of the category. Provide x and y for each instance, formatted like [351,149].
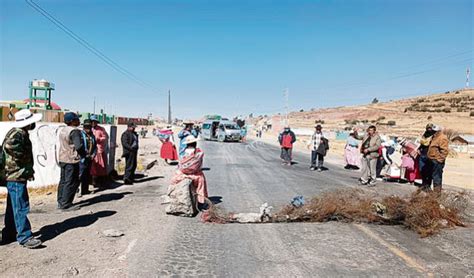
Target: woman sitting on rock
[190,166]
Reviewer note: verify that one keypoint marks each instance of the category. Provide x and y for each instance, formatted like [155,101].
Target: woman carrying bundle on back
[168,149]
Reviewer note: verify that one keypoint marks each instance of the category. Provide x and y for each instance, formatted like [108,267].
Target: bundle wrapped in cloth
[187,185]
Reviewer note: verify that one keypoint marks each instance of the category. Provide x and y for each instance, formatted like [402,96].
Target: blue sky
[236,57]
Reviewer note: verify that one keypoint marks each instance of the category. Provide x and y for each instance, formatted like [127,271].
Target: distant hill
[406,117]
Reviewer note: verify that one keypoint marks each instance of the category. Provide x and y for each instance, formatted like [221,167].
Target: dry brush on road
[424,213]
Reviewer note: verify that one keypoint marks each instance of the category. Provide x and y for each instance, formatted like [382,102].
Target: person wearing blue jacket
[188,130]
[90,148]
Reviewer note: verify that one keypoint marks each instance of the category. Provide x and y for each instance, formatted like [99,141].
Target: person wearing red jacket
[286,138]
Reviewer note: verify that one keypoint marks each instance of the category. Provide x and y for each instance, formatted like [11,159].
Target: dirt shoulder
[74,242]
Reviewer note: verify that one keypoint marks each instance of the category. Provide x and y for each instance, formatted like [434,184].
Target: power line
[90,47]
[438,62]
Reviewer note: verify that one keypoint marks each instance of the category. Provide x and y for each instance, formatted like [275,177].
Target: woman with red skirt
[168,148]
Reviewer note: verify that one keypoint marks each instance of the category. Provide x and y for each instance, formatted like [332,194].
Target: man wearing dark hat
[18,154]
[90,147]
[130,150]
[437,153]
[319,146]
[424,162]
[71,151]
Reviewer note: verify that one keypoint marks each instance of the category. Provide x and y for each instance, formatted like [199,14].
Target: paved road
[247,175]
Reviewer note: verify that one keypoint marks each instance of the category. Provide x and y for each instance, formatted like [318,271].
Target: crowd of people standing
[82,158]
[424,161]
[375,155]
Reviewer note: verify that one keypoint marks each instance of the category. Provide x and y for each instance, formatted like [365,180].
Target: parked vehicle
[220,130]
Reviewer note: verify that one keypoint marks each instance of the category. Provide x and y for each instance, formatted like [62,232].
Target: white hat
[25,118]
[436,128]
[190,139]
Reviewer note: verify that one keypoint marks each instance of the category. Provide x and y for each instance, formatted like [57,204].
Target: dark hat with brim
[131,124]
[87,122]
[71,116]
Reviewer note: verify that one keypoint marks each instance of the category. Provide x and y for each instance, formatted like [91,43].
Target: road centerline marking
[411,262]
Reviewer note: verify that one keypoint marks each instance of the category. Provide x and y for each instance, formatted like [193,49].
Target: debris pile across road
[424,213]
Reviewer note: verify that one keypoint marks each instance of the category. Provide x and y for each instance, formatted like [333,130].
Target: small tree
[375,100]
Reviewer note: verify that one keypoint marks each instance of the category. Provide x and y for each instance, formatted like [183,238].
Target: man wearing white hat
[18,153]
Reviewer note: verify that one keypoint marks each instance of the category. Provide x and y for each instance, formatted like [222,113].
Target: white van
[220,130]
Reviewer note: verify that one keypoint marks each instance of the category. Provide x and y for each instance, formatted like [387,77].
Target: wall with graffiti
[44,139]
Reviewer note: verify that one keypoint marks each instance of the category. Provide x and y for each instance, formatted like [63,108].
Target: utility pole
[94,105]
[169,107]
[468,73]
[286,94]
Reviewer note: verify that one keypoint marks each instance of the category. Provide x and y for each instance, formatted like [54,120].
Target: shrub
[381,118]
[430,117]
[301,110]
[391,123]
[375,100]
[447,110]
[471,114]
[354,122]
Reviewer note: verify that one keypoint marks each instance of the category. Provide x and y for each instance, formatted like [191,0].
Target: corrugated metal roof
[467,137]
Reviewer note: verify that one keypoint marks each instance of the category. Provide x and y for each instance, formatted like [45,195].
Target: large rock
[181,199]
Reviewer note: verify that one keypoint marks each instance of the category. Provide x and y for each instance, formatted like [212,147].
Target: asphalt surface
[243,176]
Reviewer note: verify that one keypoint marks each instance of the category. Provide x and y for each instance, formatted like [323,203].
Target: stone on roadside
[72,271]
[112,233]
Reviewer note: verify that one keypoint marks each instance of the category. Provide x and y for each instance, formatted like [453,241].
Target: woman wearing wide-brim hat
[190,166]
